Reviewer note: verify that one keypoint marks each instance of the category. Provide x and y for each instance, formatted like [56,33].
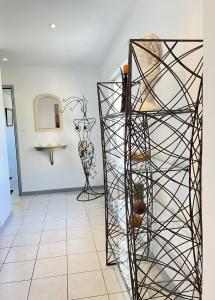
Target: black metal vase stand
[84,127]
[88,194]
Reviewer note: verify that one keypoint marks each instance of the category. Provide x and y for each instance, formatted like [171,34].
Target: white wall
[209,153]
[166,18]
[36,170]
[5,201]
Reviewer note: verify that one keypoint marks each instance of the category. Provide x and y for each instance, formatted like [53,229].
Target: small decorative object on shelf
[152,153]
[86,150]
[124,73]
[149,62]
[137,220]
[139,206]
[139,157]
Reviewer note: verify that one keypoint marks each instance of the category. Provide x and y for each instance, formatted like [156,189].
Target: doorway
[12,142]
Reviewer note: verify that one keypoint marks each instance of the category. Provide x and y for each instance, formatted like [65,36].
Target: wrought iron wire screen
[152,170]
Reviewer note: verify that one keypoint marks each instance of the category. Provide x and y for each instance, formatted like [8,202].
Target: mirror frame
[36,112]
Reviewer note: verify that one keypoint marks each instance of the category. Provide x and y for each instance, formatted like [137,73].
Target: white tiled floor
[53,248]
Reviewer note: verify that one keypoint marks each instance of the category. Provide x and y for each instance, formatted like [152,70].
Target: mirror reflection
[47,113]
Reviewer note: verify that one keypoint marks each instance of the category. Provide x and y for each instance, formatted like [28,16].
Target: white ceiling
[84,33]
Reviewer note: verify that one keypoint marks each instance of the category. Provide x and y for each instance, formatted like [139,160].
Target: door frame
[11,87]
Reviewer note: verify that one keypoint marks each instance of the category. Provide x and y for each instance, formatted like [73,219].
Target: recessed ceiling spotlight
[4,59]
[52,25]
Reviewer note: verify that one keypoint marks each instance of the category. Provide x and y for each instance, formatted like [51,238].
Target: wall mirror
[47,113]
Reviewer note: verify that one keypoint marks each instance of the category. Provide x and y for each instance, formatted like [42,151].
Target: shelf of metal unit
[157,113]
[152,165]
[51,149]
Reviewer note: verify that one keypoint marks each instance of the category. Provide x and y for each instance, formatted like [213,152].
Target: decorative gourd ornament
[139,207]
[137,220]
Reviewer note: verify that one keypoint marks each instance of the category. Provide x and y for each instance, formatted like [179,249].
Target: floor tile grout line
[62,275]
[67,244]
[19,261]
[11,245]
[6,282]
[98,296]
[67,260]
[97,252]
[28,280]
[29,289]
[36,244]
[3,263]
[38,258]
[53,276]
[108,269]
[90,297]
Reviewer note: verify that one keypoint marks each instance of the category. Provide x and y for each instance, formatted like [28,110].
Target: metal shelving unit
[158,250]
